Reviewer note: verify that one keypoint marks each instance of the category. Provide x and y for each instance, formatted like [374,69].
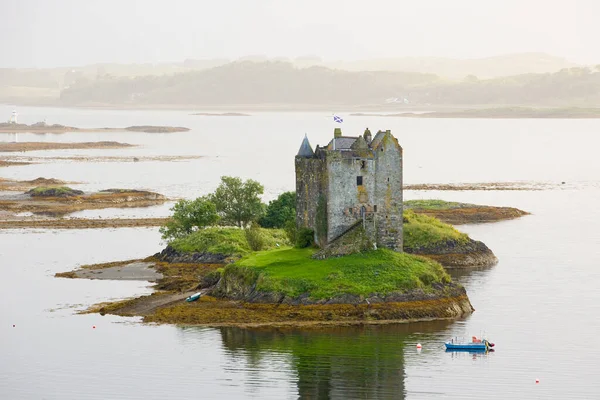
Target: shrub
[255,238]
[305,237]
[290,231]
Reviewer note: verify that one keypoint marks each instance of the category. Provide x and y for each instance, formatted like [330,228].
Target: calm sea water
[539,304]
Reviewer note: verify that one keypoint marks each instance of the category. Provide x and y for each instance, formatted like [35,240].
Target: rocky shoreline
[232,300]
[455,254]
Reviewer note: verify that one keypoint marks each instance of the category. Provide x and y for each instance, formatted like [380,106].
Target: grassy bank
[292,273]
[425,231]
[230,241]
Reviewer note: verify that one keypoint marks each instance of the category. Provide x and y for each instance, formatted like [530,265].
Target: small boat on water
[193,297]
[475,344]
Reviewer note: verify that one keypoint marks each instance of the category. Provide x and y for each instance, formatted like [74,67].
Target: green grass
[293,272]
[230,241]
[435,204]
[422,231]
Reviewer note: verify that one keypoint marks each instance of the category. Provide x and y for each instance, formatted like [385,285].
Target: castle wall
[346,197]
[389,194]
[311,181]
[330,199]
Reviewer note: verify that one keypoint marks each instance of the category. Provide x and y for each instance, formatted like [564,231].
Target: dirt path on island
[148,304]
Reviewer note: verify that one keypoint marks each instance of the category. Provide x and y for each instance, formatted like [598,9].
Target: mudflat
[33,146]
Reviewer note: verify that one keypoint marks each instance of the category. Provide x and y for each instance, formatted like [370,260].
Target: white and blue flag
[337,119]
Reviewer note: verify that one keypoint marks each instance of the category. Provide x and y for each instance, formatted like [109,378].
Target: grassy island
[462,213]
[61,200]
[284,285]
[253,265]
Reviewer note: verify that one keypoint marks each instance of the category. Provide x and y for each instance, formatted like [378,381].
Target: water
[538,305]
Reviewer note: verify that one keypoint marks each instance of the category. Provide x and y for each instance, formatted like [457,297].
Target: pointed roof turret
[305,149]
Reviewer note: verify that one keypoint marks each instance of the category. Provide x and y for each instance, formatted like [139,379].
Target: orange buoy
[537,381]
[94,327]
[419,345]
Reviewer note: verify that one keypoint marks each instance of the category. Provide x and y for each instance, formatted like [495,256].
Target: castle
[352,181]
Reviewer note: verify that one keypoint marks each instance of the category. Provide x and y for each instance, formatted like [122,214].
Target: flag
[337,119]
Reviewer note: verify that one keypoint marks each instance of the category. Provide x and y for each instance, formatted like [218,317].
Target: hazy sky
[46,33]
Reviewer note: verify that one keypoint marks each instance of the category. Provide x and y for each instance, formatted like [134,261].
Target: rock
[454,254]
[171,255]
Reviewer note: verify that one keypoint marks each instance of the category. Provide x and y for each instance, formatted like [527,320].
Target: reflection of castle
[332,363]
[353,179]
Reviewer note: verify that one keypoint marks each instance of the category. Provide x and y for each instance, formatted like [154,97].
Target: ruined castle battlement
[351,180]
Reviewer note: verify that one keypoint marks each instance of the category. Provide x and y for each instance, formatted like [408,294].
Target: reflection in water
[348,362]
[335,362]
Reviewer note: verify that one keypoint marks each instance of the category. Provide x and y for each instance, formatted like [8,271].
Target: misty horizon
[39,34]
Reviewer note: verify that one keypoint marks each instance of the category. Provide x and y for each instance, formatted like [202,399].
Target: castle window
[363,164]
[375,208]
[359,180]
[388,180]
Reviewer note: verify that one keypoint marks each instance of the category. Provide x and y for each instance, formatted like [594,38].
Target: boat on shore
[193,297]
[475,344]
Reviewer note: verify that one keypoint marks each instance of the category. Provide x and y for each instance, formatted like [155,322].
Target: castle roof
[305,149]
[377,139]
[342,143]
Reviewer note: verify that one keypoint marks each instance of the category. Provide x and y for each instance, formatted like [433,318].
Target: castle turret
[337,132]
[367,135]
[305,149]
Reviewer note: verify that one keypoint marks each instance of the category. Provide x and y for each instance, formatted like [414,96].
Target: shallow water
[538,305]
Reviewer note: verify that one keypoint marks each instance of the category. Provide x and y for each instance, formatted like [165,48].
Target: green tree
[188,216]
[280,211]
[238,202]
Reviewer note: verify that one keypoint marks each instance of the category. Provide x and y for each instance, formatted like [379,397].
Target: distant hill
[483,68]
[249,83]
[279,83]
[531,79]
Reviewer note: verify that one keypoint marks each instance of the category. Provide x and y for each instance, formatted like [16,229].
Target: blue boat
[474,345]
[193,297]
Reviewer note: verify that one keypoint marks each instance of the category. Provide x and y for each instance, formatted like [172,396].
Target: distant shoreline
[56,128]
[501,113]
[362,110]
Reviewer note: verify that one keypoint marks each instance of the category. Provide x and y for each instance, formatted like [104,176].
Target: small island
[42,127]
[326,254]
[462,213]
[62,200]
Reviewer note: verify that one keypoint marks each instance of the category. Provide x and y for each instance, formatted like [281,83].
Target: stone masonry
[351,180]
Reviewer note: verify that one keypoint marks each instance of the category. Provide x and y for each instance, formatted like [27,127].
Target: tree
[280,211]
[238,202]
[188,216]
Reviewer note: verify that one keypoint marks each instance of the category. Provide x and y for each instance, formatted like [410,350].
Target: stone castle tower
[351,181]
